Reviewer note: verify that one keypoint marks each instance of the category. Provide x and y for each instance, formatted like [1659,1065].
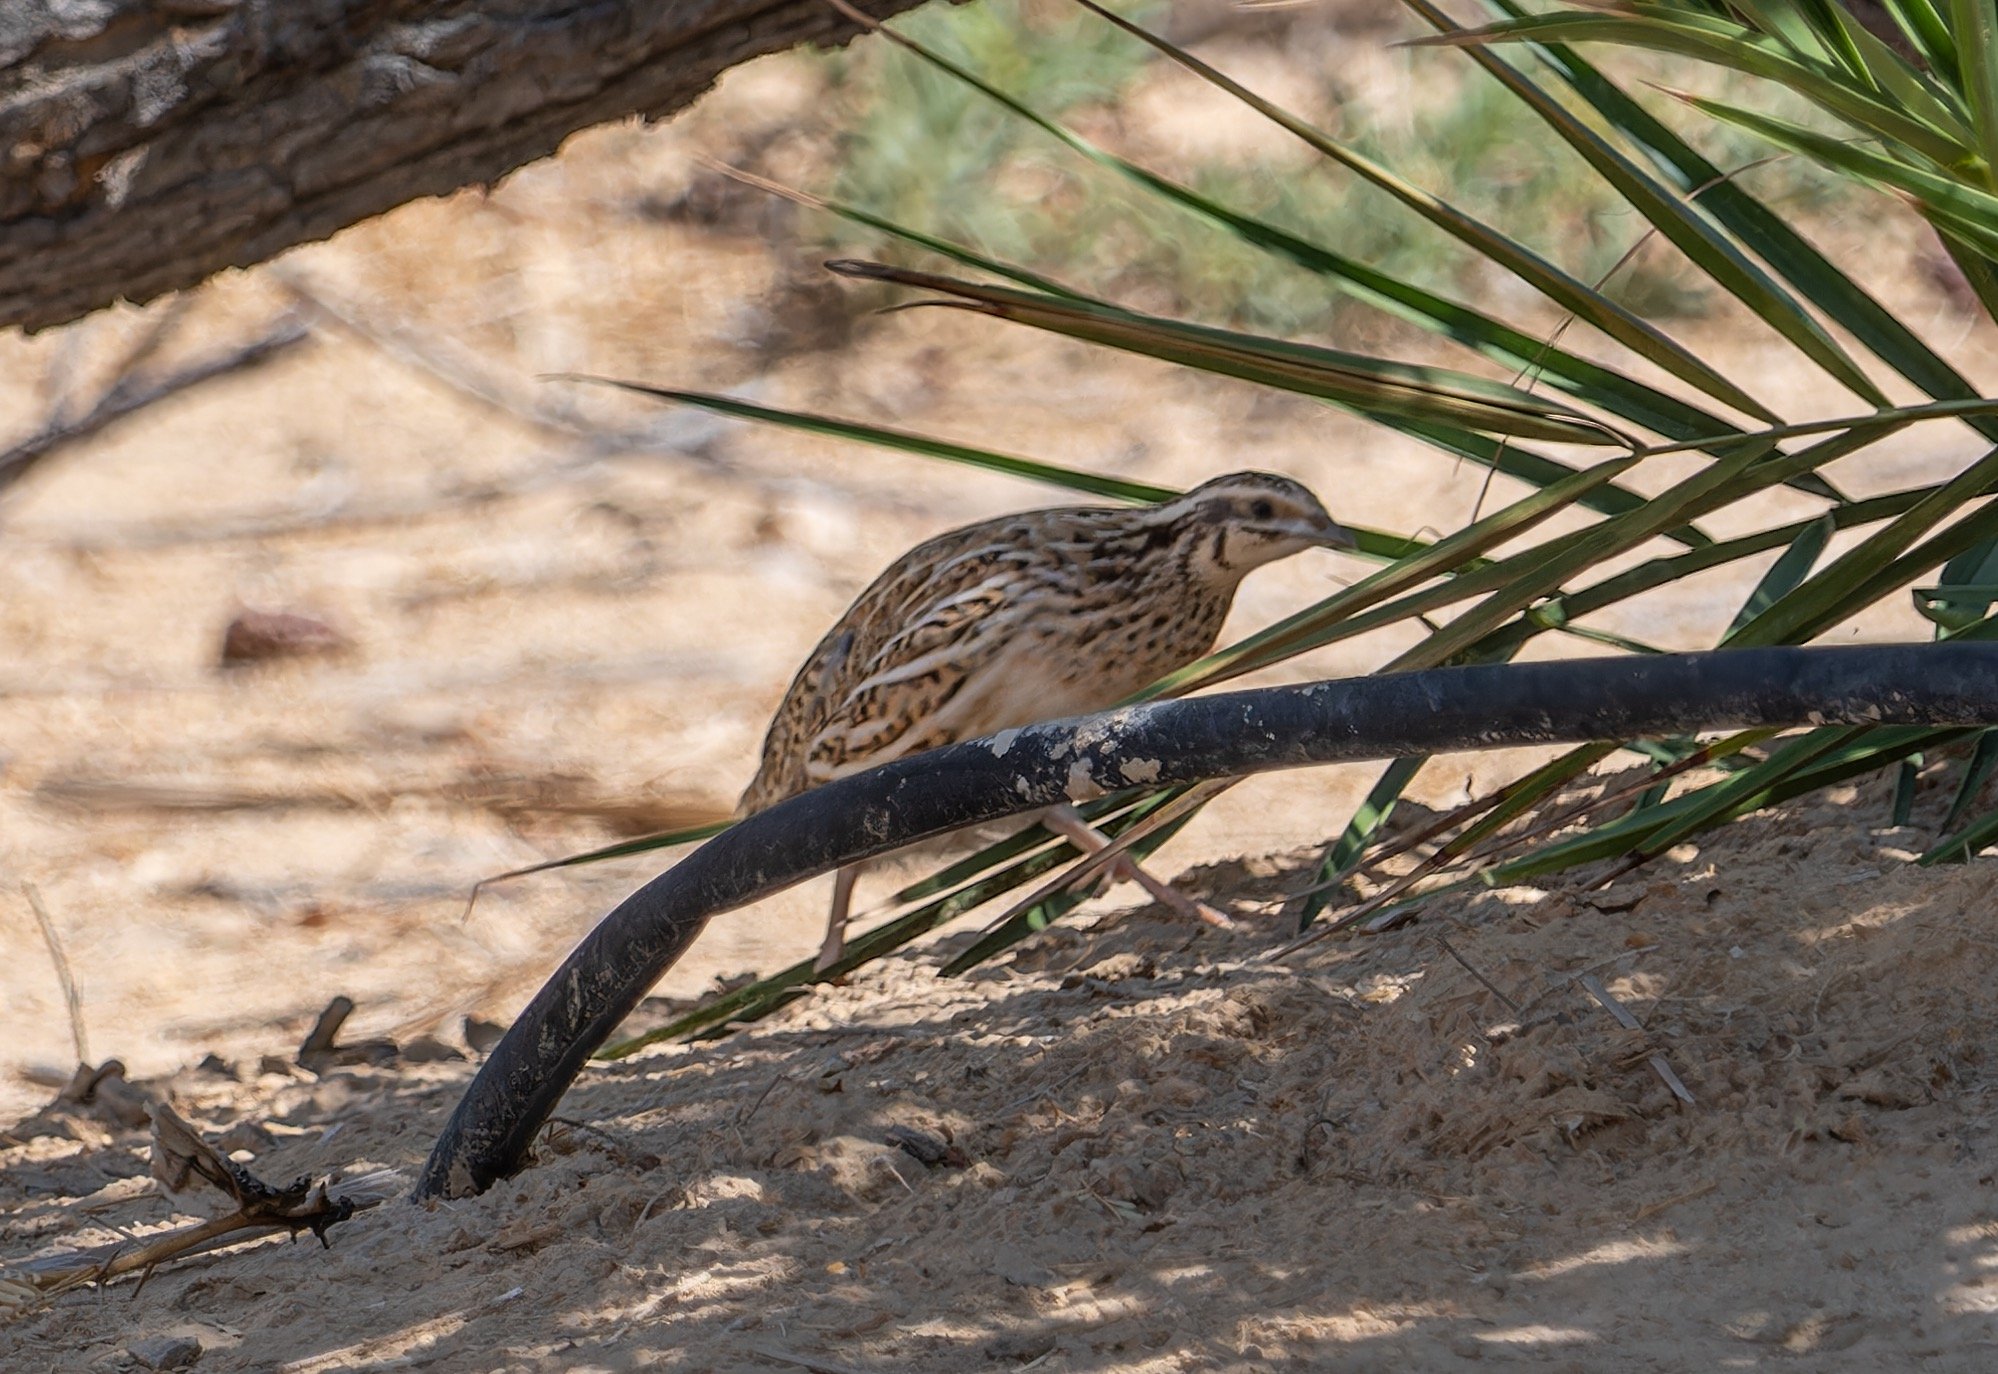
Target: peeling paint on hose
[1082,785]
[1141,770]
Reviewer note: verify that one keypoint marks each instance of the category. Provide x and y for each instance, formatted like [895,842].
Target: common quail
[1022,619]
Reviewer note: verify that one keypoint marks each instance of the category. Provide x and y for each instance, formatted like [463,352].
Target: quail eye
[1261,510]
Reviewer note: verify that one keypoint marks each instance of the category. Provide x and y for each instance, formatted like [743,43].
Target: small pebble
[256,636]
[165,1352]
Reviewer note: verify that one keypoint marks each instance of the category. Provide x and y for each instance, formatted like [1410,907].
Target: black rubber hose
[1224,735]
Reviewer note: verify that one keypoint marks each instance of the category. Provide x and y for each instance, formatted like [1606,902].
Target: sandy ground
[568,617]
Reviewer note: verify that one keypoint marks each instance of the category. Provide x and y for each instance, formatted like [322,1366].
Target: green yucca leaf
[1540,572]
[1960,604]
[1511,459]
[1975,25]
[767,994]
[1793,28]
[942,247]
[1890,73]
[1928,33]
[1965,590]
[1685,227]
[1804,548]
[624,849]
[1885,420]
[1831,33]
[1959,847]
[1786,572]
[1831,761]
[1551,777]
[1870,749]
[1628,329]
[1369,385]
[1580,377]
[1902,808]
[1931,125]
[1073,479]
[1615,392]
[1012,846]
[1879,562]
[1585,303]
[1543,781]
[1493,813]
[1607,638]
[1659,572]
[1964,209]
[1526,578]
[1517,581]
[1806,541]
[1532,467]
[1983,759]
[1816,759]
[1763,233]
[1361,830]
[1517,798]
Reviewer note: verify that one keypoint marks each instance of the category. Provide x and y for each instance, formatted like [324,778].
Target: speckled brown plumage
[1026,618]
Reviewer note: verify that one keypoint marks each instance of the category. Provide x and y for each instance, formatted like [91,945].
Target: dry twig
[464,372]
[1594,987]
[186,1165]
[132,394]
[71,995]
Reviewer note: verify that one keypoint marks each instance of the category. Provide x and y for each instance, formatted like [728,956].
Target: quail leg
[1068,823]
[835,946]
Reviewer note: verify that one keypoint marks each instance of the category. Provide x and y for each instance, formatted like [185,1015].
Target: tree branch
[146,144]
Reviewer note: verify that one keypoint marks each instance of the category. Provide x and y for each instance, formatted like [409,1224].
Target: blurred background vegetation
[919,147]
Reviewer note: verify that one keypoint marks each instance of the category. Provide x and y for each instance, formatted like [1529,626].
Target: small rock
[165,1352]
[1617,900]
[258,636]
[1020,1347]
[247,1134]
[1117,968]
[108,1096]
[927,1146]
[428,1049]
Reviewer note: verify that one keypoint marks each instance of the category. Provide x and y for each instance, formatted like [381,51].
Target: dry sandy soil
[566,620]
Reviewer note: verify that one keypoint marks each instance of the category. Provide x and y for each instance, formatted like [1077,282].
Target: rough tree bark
[146,144]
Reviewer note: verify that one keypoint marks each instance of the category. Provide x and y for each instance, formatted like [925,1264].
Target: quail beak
[1332,536]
